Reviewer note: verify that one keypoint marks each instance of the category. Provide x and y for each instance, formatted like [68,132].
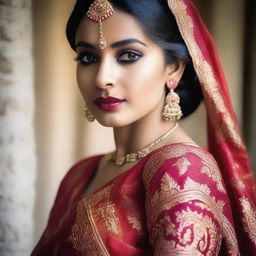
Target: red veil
[224,138]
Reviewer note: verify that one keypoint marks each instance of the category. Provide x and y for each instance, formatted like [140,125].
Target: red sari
[172,202]
[177,200]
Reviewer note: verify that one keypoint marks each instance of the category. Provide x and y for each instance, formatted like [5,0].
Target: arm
[184,217]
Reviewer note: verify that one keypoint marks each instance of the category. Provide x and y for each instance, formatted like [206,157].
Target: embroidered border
[171,194]
[172,151]
[205,73]
[249,219]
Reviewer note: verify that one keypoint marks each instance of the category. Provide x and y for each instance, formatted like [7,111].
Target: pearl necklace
[132,157]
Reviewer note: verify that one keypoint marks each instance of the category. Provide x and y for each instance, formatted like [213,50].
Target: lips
[109,103]
[107,100]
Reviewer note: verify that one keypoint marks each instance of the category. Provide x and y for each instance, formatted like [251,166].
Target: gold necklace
[132,157]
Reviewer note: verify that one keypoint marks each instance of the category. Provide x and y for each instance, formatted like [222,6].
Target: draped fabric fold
[224,137]
[172,202]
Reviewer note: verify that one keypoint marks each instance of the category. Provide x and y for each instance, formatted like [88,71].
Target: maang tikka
[98,11]
[172,111]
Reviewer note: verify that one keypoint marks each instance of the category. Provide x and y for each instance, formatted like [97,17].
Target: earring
[172,111]
[88,114]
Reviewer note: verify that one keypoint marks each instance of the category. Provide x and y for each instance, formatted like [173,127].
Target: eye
[129,56]
[86,58]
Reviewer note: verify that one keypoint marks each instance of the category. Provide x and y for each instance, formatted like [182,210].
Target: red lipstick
[109,103]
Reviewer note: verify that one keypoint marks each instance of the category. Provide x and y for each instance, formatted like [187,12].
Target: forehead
[117,27]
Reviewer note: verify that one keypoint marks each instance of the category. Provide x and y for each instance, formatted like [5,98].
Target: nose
[105,77]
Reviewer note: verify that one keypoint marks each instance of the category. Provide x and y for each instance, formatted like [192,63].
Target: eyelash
[80,57]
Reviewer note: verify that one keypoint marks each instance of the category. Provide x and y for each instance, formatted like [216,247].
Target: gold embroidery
[197,186]
[171,194]
[171,151]
[136,224]
[168,184]
[52,231]
[83,236]
[134,216]
[249,218]
[182,165]
[206,76]
[199,231]
[195,234]
[237,182]
[96,213]
[168,187]
[96,198]
[178,150]
[103,210]
[106,211]
[214,175]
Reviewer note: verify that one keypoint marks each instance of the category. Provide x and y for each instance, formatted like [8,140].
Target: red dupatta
[224,137]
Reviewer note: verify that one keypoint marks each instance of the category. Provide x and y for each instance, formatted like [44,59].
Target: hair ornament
[99,11]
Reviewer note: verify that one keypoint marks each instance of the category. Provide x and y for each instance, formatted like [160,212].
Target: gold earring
[98,11]
[88,114]
[172,111]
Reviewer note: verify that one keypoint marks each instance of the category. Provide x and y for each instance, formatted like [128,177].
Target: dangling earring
[172,111]
[88,114]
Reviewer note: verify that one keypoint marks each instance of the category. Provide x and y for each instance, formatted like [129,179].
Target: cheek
[83,79]
[148,79]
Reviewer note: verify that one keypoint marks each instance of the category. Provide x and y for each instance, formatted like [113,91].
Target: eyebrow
[113,45]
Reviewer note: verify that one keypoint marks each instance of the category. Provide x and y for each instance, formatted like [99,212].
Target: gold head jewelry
[98,11]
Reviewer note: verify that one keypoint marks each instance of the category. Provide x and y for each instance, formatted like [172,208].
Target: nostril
[108,84]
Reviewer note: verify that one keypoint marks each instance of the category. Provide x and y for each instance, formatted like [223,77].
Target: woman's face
[131,69]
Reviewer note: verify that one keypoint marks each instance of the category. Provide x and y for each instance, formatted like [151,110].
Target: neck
[141,133]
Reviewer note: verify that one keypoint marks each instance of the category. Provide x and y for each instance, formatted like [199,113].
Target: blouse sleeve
[184,202]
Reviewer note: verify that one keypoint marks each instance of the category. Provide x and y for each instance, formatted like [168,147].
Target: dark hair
[160,24]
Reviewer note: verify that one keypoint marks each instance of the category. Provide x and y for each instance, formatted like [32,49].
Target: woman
[159,193]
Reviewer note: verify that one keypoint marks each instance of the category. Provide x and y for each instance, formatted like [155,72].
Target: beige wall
[63,136]
[228,32]
[54,83]
[17,141]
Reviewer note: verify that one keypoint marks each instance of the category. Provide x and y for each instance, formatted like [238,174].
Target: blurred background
[42,128]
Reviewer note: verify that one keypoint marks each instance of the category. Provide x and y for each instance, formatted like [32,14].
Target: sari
[178,200]
[172,202]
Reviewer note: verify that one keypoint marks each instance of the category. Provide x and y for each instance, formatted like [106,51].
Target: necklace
[132,157]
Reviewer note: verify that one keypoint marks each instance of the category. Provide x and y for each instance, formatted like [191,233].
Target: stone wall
[17,148]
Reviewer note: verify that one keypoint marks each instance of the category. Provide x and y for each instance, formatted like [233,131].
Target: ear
[175,71]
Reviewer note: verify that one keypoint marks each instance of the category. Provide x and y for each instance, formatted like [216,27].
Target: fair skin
[140,83]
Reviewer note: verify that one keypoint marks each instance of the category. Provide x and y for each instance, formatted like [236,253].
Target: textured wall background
[17,155]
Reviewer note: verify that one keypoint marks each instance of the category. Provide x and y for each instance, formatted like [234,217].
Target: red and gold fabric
[178,200]
[172,202]
[224,138]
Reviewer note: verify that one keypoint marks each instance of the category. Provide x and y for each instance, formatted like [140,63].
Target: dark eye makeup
[126,57]
[86,58]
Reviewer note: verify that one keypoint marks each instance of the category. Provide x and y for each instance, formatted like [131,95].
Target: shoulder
[182,174]
[179,156]
[77,172]
[188,166]
[185,190]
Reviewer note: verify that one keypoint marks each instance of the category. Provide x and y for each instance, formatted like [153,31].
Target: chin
[113,122]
